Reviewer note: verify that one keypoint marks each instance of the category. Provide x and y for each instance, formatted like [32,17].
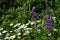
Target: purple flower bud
[33,9]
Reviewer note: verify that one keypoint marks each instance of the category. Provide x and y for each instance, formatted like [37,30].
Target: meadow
[29,20]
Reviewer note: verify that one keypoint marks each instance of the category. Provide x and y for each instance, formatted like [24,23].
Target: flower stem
[48,22]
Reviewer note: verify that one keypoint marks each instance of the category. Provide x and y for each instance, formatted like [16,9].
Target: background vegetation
[20,11]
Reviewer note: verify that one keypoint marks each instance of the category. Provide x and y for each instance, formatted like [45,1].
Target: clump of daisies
[19,31]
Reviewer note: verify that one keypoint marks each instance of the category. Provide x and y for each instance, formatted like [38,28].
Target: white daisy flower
[38,31]
[12,37]
[28,29]
[22,26]
[38,21]
[26,33]
[18,24]
[49,34]
[19,34]
[7,34]
[32,23]
[53,18]
[28,23]
[11,24]
[4,31]
[55,29]
[0,33]
[6,38]
[1,29]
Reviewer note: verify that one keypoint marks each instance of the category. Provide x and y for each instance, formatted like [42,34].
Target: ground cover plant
[29,19]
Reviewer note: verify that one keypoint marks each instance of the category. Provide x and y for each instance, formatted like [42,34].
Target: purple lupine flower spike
[48,23]
[34,15]
[48,26]
[34,18]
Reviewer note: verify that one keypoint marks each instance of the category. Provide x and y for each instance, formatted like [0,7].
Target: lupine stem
[29,7]
[42,25]
[47,11]
[13,8]
[35,26]
[34,18]
[48,22]
[53,13]
[53,8]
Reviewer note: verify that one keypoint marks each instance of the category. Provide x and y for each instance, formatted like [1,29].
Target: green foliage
[19,11]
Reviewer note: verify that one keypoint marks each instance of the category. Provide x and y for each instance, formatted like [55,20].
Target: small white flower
[18,24]
[19,34]
[4,31]
[0,33]
[11,31]
[38,21]
[6,38]
[49,34]
[18,37]
[32,23]
[7,34]
[38,31]
[53,18]
[0,39]
[12,37]
[1,29]
[17,30]
[28,29]
[23,26]
[11,24]
[26,33]
[28,23]
[55,29]
[59,21]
